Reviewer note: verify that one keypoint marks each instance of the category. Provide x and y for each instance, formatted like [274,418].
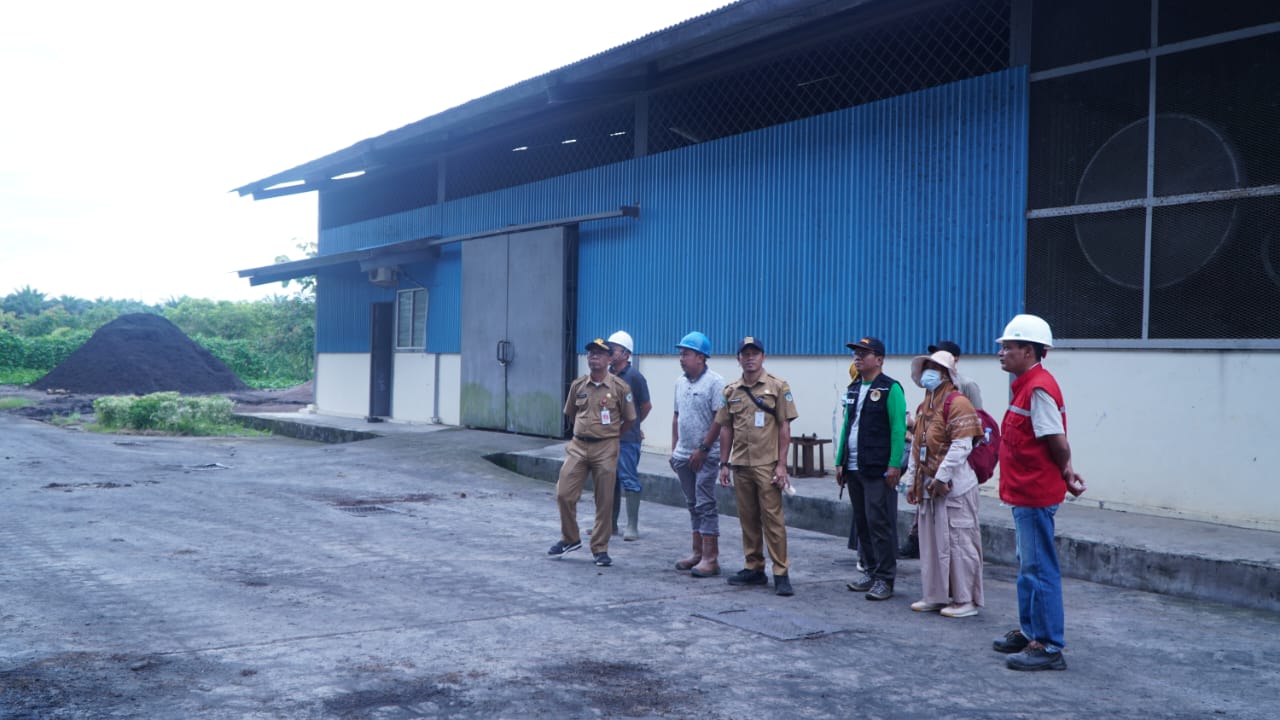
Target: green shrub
[166,412]
[19,375]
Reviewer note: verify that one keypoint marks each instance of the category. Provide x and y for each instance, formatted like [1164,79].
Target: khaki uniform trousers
[760,514]
[601,460]
[951,549]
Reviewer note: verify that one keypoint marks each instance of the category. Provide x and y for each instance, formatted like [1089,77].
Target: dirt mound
[139,354]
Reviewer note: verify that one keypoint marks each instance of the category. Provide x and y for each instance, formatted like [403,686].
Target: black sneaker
[746,576]
[880,590]
[562,547]
[782,586]
[910,549]
[1036,658]
[862,583]
[603,559]
[1012,642]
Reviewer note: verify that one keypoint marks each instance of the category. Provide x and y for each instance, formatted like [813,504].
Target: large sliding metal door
[517,330]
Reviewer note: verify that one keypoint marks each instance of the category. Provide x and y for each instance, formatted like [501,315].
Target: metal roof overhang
[408,251]
[650,62]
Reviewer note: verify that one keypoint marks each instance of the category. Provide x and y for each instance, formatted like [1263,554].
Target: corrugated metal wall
[902,218]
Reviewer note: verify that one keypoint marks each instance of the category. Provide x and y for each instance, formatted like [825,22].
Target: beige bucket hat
[942,357]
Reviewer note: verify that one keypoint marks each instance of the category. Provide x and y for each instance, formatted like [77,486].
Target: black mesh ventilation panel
[949,42]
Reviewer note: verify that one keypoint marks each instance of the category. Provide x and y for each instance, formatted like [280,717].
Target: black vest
[873,424]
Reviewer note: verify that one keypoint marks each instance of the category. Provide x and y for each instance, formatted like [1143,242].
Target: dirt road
[406,577]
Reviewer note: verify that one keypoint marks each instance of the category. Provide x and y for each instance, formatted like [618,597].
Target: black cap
[875,345]
[750,341]
[945,346]
[599,344]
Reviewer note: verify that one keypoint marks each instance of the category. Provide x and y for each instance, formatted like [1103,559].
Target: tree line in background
[268,343]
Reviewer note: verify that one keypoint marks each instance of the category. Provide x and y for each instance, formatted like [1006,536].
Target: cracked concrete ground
[406,577]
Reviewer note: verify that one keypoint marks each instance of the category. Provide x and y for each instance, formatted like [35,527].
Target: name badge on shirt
[605,418]
[759,418]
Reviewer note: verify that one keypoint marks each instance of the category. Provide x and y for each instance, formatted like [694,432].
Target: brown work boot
[710,565]
[687,562]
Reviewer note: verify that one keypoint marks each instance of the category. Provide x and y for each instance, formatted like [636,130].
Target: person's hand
[1075,483]
[912,497]
[725,479]
[696,459]
[891,477]
[939,489]
[840,476]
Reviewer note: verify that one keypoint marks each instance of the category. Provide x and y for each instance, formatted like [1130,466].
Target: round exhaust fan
[1191,156]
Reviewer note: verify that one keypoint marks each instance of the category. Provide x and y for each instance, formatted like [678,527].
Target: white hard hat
[1028,328]
[622,338]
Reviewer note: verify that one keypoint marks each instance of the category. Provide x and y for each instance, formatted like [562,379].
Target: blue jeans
[628,461]
[1040,614]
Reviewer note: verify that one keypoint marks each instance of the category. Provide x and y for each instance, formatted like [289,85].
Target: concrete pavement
[405,576]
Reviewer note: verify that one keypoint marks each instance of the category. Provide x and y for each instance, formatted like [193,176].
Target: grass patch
[10,403]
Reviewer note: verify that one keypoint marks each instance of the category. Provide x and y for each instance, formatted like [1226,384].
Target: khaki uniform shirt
[755,445]
[587,402]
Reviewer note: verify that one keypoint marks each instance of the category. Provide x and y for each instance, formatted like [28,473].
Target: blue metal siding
[902,218]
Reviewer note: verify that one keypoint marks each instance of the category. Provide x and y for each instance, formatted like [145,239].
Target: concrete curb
[1192,575]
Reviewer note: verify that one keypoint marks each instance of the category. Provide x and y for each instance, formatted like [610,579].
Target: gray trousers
[700,494]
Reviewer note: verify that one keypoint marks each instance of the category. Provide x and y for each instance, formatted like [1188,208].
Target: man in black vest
[869,463]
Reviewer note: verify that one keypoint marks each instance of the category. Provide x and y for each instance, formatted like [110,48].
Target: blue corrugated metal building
[810,171]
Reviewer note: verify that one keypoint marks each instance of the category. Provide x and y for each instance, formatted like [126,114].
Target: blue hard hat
[696,342]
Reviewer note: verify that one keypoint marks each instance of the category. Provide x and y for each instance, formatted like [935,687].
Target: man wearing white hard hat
[620,348]
[1035,476]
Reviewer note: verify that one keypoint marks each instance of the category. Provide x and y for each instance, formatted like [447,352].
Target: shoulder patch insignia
[787,395]
[628,397]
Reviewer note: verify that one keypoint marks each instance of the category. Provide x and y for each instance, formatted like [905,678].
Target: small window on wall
[411,319]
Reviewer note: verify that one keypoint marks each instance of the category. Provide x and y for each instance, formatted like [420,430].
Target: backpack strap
[946,404]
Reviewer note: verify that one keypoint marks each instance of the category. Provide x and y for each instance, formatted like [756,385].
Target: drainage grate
[363,510]
[777,624]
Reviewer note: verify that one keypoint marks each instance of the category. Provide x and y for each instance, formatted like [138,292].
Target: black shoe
[862,583]
[1036,658]
[880,590]
[562,547]
[910,549]
[1012,642]
[782,586]
[747,576]
[603,559]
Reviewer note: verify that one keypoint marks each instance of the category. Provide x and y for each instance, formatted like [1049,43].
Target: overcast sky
[124,125]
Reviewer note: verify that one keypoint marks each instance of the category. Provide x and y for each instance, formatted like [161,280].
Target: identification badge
[759,418]
[605,418]
[922,453]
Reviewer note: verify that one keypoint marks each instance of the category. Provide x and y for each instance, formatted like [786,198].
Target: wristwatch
[724,464]
[704,447]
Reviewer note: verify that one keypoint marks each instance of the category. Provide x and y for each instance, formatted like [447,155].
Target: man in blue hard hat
[695,451]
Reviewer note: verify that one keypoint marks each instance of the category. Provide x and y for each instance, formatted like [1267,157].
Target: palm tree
[25,302]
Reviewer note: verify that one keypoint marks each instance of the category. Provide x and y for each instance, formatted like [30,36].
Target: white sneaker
[960,611]
[923,606]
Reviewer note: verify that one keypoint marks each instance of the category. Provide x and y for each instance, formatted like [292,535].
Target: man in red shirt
[1035,476]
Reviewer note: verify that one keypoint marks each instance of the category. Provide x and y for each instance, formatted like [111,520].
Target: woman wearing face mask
[946,489]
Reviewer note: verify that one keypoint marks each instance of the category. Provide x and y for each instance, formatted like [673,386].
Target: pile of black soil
[139,354]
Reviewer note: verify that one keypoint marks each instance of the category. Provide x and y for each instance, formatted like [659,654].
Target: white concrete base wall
[413,387]
[413,392]
[342,384]
[1185,433]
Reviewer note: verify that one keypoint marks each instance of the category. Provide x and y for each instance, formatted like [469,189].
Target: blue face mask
[931,379]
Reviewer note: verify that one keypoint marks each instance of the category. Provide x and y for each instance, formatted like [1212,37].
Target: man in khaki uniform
[602,410]
[755,420]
